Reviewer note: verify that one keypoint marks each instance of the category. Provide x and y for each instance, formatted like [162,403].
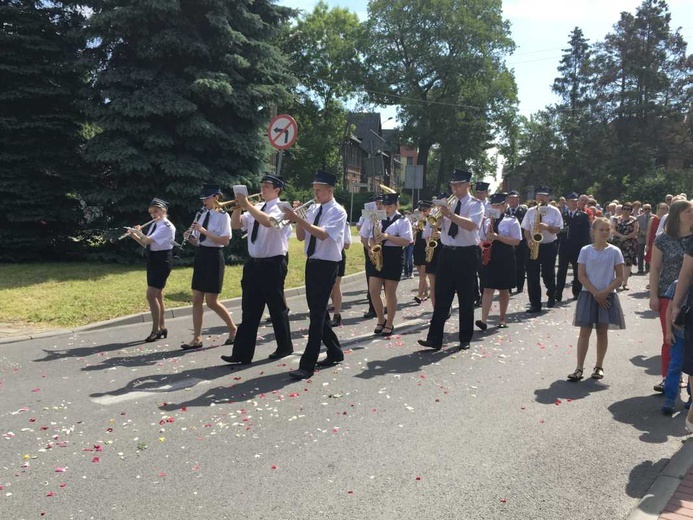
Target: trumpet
[537,237]
[186,234]
[301,211]
[231,205]
[121,237]
[387,189]
[435,216]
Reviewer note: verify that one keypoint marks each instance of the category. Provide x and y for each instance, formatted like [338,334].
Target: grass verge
[75,294]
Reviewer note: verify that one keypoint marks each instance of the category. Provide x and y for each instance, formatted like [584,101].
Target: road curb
[665,485]
[144,317]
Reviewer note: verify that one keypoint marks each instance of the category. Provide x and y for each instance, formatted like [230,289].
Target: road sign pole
[280,155]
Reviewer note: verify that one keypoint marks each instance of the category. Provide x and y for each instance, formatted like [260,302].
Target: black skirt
[499,273]
[208,270]
[432,266]
[158,268]
[393,262]
[420,251]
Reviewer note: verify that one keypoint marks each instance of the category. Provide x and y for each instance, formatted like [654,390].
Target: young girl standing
[600,271]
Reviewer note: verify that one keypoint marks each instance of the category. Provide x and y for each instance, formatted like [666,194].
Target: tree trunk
[422,158]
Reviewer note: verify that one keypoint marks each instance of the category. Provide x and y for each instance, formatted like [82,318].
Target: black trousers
[263,284]
[640,253]
[520,265]
[544,265]
[565,258]
[320,277]
[371,309]
[456,275]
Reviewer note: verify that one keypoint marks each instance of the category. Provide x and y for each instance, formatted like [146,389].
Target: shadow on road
[643,414]
[239,391]
[651,364]
[53,355]
[642,476]
[404,364]
[564,389]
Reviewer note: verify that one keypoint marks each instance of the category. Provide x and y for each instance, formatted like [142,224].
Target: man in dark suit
[574,236]
[514,209]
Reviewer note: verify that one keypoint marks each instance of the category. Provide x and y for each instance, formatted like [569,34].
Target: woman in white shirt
[395,234]
[210,233]
[158,241]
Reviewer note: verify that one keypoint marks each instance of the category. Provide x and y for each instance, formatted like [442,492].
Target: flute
[121,237]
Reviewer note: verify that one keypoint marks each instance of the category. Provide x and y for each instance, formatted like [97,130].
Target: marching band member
[503,233]
[576,234]
[264,272]
[366,227]
[431,234]
[336,295]
[458,263]
[393,235]
[518,211]
[545,264]
[158,241]
[209,233]
[420,250]
[324,228]
[481,193]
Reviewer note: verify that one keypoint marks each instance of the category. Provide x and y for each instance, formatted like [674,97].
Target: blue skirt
[588,313]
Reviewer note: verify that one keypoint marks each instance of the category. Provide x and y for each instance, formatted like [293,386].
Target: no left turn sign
[282,132]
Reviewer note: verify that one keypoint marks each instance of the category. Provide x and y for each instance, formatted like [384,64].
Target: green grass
[74,294]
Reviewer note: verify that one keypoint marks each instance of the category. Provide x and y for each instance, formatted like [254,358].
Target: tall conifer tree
[183,95]
[41,76]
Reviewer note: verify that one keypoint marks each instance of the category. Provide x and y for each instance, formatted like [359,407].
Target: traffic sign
[282,131]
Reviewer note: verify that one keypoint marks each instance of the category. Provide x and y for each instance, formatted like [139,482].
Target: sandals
[598,373]
[379,328]
[575,376]
[387,331]
[191,346]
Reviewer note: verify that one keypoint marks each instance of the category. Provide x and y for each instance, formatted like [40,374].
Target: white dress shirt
[163,235]
[347,233]
[508,227]
[551,216]
[219,224]
[332,220]
[399,228]
[472,209]
[269,241]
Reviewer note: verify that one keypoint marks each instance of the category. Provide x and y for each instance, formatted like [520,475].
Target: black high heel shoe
[163,333]
[153,336]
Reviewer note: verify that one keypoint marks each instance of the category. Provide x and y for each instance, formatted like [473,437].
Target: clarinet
[186,235]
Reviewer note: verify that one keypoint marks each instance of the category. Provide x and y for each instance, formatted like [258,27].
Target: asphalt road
[99,425]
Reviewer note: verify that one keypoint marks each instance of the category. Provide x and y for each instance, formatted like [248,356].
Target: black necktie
[313,241]
[256,226]
[452,232]
[204,225]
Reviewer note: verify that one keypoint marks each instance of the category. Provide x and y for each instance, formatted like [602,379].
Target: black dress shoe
[301,373]
[464,345]
[327,362]
[278,355]
[534,310]
[428,344]
[559,297]
[191,346]
[481,324]
[336,320]
[370,315]
[235,360]
[551,303]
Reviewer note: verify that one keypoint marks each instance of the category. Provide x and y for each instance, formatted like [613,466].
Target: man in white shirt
[458,262]
[545,264]
[324,227]
[264,272]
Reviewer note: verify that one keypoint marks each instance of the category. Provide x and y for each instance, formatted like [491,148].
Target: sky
[540,30]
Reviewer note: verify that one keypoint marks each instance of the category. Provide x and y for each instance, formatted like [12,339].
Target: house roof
[366,127]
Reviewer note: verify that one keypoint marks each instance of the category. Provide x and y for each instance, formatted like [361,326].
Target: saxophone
[375,253]
[432,244]
[537,237]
